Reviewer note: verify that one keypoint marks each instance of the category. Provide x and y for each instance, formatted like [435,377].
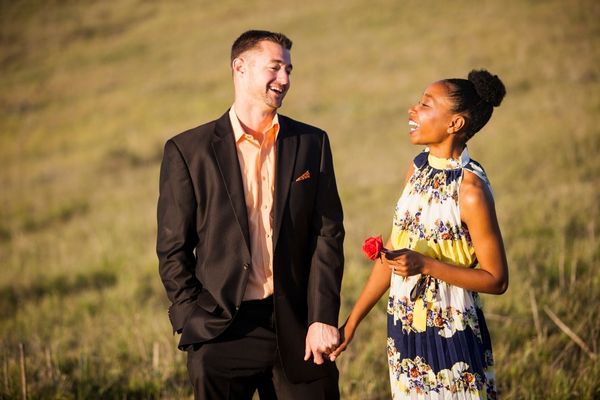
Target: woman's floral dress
[438,343]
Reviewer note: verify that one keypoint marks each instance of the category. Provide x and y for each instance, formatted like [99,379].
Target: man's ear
[238,65]
[456,123]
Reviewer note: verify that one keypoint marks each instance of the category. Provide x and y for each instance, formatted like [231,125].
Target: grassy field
[89,92]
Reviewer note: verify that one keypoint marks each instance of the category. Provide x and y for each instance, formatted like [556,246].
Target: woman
[447,248]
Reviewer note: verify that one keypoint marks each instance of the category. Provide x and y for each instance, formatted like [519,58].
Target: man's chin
[274,102]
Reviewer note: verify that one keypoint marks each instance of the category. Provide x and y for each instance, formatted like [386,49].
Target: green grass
[89,92]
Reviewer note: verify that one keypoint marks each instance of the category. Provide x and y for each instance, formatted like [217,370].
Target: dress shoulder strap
[421,159]
[476,168]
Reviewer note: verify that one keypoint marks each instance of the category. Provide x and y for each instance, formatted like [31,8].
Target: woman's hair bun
[489,87]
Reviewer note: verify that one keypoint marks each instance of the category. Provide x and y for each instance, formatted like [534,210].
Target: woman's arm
[376,286]
[479,214]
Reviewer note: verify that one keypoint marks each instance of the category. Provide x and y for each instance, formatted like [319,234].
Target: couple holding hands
[250,245]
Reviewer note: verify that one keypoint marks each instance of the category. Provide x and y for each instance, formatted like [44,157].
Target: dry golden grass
[89,92]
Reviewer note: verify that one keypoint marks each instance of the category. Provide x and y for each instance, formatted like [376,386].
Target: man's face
[265,74]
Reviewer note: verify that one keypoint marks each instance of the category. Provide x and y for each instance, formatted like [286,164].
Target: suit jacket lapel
[287,144]
[226,154]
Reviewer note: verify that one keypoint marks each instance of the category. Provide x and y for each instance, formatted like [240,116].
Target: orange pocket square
[303,177]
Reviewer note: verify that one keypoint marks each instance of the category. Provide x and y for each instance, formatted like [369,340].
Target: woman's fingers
[398,265]
[337,351]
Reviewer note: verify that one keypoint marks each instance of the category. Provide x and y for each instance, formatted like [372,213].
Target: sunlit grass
[89,92]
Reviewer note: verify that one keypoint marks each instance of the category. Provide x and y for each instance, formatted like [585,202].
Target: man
[250,240]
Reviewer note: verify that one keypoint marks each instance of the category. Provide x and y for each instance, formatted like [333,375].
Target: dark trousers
[244,359]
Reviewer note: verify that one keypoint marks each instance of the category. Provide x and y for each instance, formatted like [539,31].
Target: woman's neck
[447,150]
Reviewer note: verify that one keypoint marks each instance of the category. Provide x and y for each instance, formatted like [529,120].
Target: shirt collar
[448,163]
[239,132]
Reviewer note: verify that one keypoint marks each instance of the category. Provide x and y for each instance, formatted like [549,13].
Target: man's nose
[283,77]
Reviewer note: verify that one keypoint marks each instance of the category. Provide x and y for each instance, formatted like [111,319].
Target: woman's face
[430,119]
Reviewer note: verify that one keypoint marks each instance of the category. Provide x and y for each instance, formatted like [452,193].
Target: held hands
[403,262]
[347,334]
[321,339]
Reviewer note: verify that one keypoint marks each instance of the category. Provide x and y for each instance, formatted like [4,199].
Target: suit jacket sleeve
[327,262]
[177,237]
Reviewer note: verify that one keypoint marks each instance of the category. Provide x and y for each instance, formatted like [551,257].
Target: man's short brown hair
[252,38]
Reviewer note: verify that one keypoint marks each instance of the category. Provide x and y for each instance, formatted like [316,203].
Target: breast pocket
[302,198]
[304,184]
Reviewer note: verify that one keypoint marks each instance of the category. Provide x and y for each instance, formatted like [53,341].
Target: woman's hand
[346,335]
[404,262]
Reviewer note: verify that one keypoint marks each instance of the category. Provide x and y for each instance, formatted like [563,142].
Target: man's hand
[320,339]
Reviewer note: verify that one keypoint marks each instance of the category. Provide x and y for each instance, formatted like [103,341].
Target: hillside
[90,91]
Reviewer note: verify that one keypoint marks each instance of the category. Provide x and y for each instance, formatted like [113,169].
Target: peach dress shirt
[256,156]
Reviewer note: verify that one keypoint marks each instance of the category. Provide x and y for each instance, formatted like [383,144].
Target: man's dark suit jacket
[203,242]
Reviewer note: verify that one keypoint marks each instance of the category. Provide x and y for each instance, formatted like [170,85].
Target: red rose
[372,247]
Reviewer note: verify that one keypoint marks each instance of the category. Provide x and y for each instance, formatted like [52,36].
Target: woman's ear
[456,123]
